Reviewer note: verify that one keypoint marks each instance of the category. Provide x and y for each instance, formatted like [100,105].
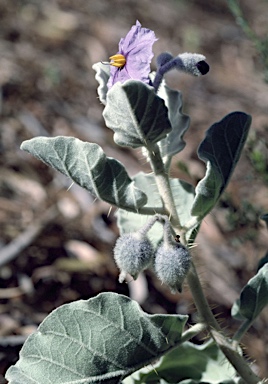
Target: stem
[163,185]
[172,63]
[242,330]
[238,362]
[200,299]
[192,332]
[147,211]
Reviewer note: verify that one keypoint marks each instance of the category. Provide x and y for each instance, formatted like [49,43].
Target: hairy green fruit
[133,253]
[172,263]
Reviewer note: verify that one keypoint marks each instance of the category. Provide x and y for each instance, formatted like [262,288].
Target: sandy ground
[63,239]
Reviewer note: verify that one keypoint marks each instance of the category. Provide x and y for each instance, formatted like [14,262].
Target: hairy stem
[163,184]
[229,350]
[237,361]
[242,330]
[193,331]
[200,299]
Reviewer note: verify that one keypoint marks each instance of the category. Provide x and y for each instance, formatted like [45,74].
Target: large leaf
[98,340]
[220,150]
[102,76]
[253,297]
[87,165]
[188,363]
[136,114]
[173,143]
[183,195]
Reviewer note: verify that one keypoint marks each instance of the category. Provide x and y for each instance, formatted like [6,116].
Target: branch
[237,361]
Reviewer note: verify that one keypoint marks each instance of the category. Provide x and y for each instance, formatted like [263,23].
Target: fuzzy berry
[172,263]
[133,253]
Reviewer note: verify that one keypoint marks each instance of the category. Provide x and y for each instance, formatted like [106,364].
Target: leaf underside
[253,297]
[188,363]
[102,76]
[173,143]
[220,150]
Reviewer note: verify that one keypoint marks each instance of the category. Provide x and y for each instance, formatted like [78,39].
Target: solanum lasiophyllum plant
[109,338]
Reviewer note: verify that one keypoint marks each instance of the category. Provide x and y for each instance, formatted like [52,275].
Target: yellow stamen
[117,60]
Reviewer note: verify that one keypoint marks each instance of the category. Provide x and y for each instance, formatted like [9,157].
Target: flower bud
[172,263]
[192,63]
[133,252]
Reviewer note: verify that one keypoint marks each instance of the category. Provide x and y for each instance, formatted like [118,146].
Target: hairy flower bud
[172,263]
[133,253]
[192,63]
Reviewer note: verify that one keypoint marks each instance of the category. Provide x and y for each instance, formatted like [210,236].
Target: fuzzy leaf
[253,297]
[102,339]
[183,194]
[173,143]
[220,150]
[198,363]
[136,114]
[87,165]
[102,77]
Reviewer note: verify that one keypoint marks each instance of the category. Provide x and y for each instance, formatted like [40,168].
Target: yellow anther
[117,60]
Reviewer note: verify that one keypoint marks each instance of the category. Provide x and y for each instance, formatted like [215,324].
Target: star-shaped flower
[134,56]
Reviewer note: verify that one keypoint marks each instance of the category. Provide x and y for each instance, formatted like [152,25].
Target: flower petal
[137,49]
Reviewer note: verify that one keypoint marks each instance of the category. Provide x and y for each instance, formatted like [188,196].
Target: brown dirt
[48,88]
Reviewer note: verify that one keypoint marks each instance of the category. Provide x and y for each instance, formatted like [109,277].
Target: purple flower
[134,56]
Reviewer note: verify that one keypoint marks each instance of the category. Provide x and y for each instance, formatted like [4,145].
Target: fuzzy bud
[172,263]
[193,63]
[172,260]
[133,252]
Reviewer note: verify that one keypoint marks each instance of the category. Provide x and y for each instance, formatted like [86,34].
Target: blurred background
[55,242]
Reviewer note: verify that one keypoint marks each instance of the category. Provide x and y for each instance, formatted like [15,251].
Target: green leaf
[188,363]
[173,143]
[183,195]
[102,339]
[102,76]
[136,114]
[220,150]
[253,297]
[87,165]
